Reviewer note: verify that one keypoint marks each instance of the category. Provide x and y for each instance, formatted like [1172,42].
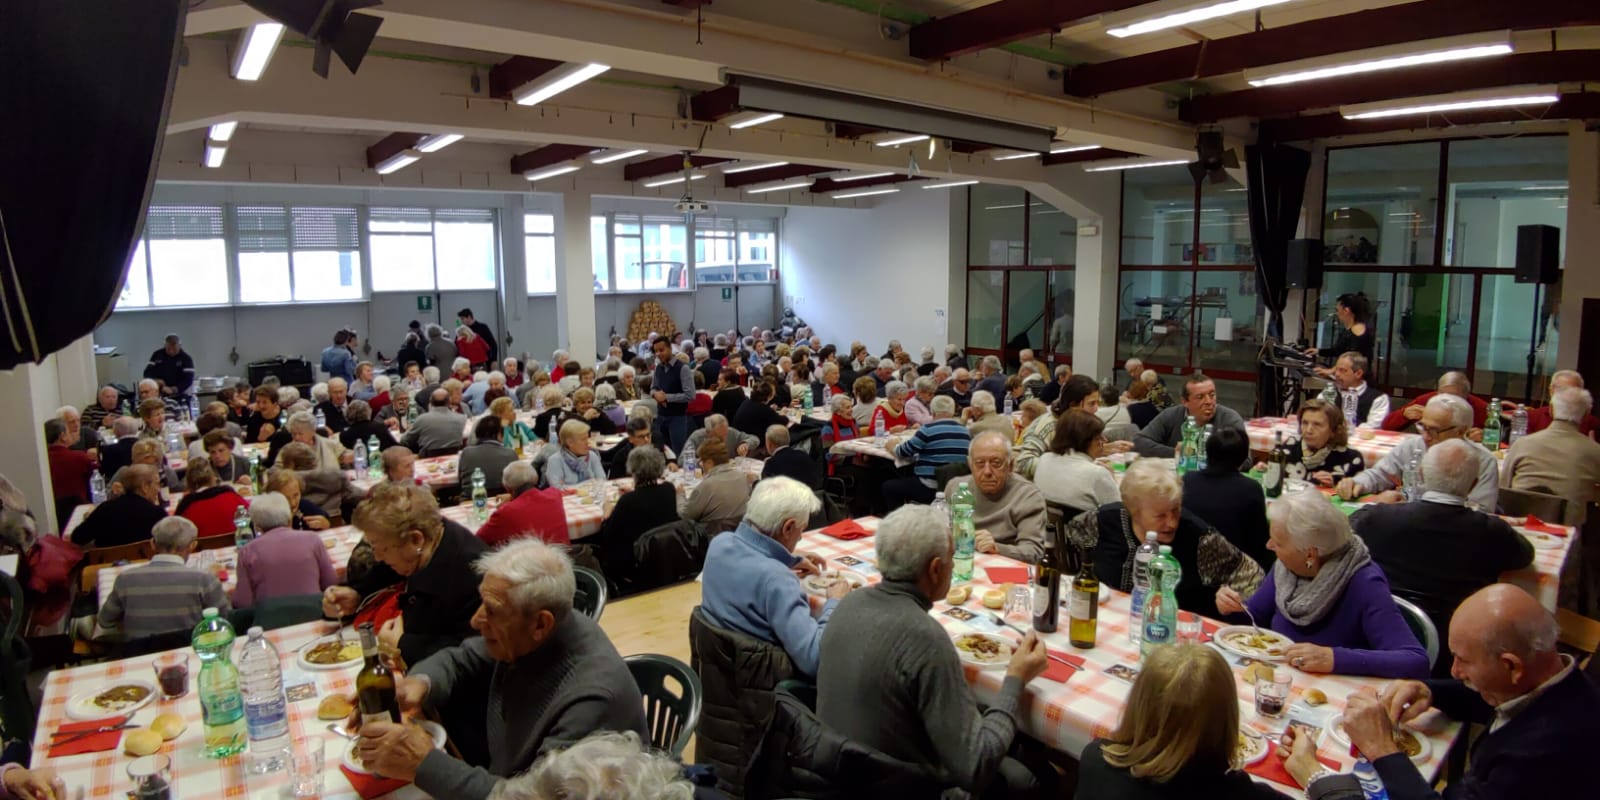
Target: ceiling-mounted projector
[689,205]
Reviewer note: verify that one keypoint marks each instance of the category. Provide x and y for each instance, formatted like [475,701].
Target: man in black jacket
[172,367]
[788,462]
[119,454]
[638,436]
[1542,713]
[129,515]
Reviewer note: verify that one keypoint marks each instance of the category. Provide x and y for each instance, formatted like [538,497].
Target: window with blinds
[651,251]
[728,250]
[539,252]
[182,260]
[422,249]
[325,252]
[263,247]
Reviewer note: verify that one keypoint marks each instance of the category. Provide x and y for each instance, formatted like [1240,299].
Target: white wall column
[955,310]
[514,279]
[1095,200]
[30,395]
[1583,240]
[76,383]
[575,278]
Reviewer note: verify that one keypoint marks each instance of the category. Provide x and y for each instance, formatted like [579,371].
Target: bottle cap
[208,613]
[255,630]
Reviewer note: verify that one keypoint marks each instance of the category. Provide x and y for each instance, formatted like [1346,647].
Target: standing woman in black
[1354,333]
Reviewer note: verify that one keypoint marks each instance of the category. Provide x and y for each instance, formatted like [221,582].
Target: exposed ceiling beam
[1381,27]
[1002,23]
[784,172]
[548,156]
[506,76]
[715,104]
[1083,156]
[1585,106]
[689,5]
[665,165]
[825,185]
[1511,70]
[390,146]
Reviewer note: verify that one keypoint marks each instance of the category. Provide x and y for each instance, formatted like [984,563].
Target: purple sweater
[1365,630]
[282,562]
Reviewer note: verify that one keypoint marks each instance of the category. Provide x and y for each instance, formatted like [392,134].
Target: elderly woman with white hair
[918,408]
[627,385]
[840,427]
[603,766]
[1327,594]
[281,561]
[327,453]
[538,676]
[605,399]
[1152,505]
[981,417]
[1445,417]
[573,462]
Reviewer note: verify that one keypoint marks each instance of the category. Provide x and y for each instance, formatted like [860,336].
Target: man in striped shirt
[943,441]
[164,595]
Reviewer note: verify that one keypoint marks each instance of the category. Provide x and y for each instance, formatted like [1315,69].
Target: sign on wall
[424,302]
[727,292]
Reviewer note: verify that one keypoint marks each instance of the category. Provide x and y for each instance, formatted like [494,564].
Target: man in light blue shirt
[751,580]
[472,396]
[337,360]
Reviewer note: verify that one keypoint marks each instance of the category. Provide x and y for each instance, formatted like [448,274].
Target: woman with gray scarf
[1329,596]
[1323,455]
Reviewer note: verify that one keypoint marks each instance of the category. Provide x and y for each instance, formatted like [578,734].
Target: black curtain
[1276,176]
[85,87]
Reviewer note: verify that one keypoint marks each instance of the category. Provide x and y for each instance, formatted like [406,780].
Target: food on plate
[334,707]
[1268,643]
[1407,741]
[1257,672]
[958,595]
[1248,748]
[169,725]
[141,742]
[994,598]
[983,649]
[1314,697]
[332,652]
[119,697]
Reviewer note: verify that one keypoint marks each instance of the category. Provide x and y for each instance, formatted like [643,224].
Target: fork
[1252,618]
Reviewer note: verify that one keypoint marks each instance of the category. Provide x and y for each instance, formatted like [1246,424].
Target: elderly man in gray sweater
[890,679]
[539,678]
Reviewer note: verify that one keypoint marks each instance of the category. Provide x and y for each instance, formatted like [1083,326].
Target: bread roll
[169,725]
[334,707]
[958,595]
[994,598]
[141,742]
[1256,672]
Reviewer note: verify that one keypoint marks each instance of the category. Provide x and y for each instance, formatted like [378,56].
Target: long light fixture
[222,131]
[398,161]
[658,182]
[947,184]
[741,166]
[1144,23]
[860,176]
[437,142]
[1113,166]
[867,193]
[1411,54]
[1073,148]
[1506,97]
[555,82]
[260,40]
[541,174]
[750,119]
[215,152]
[780,187]
[1016,156]
[614,156]
[900,140]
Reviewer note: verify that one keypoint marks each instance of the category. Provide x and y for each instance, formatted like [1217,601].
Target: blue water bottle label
[267,720]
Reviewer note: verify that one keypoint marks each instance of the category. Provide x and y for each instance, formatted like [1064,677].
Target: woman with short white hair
[627,386]
[574,462]
[981,417]
[604,766]
[280,561]
[1152,502]
[1327,594]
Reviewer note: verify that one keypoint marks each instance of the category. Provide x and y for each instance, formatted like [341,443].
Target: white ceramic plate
[818,584]
[1228,638]
[434,729]
[82,706]
[1335,730]
[998,660]
[1253,747]
[351,639]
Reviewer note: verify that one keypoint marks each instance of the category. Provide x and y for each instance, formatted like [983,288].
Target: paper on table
[1272,767]
[999,575]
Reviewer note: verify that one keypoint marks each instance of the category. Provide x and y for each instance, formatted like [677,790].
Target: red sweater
[1540,418]
[535,512]
[891,420]
[211,510]
[476,351]
[1396,421]
[69,472]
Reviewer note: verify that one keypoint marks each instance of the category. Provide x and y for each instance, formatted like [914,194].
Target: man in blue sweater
[943,441]
[751,580]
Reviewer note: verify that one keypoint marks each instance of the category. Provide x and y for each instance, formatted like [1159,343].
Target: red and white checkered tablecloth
[1543,579]
[339,541]
[1372,445]
[103,775]
[1067,716]
[438,472]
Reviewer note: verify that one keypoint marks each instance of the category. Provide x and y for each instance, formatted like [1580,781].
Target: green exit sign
[424,302]
[727,292]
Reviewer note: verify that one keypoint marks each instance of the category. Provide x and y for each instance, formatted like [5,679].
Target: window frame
[554,250]
[142,244]
[494,221]
[1043,352]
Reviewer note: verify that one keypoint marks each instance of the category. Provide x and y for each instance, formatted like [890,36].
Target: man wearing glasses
[1445,417]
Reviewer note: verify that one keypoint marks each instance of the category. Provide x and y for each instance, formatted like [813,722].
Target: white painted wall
[873,275]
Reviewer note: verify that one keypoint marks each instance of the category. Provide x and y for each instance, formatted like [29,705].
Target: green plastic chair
[1426,632]
[670,716]
[590,599]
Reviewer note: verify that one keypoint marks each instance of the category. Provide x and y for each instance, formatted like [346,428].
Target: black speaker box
[1305,264]
[1538,254]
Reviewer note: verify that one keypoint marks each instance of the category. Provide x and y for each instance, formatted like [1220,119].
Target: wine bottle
[1047,590]
[375,683]
[1083,605]
[1277,462]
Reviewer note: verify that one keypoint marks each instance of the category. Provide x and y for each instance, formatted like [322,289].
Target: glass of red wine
[172,673]
[150,778]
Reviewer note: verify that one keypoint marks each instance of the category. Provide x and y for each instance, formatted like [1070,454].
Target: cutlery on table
[67,737]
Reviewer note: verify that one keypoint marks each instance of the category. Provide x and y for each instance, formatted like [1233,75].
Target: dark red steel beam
[1294,129]
[549,155]
[665,165]
[784,172]
[389,146]
[715,104]
[507,75]
[689,5]
[1509,70]
[1392,25]
[1002,23]
[829,185]
[1084,155]
[850,130]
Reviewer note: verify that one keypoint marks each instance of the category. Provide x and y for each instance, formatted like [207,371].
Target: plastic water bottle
[1141,584]
[690,463]
[258,477]
[1186,445]
[940,505]
[374,463]
[174,440]
[538,403]
[194,407]
[97,488]
[1008,407]
[1200,459]
[1161,606]
[221,704]
[1330,394]
[361,458]
[266,708]
[480,496]
[242,533]
[966,543]
[880,430]
[1411,479]
[322,419]
[1491,426]
[1371,785]
[1519,424]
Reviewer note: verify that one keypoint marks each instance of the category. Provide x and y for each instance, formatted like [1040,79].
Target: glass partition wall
[1020,253]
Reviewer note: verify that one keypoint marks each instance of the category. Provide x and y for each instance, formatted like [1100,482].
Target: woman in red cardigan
[209,505]
[472,347]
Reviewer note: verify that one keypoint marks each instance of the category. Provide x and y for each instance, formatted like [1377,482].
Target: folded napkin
[1208,630]
[95,743]
[1272,767]
[847,530]
[370,786]
[1540,526]
[999,575]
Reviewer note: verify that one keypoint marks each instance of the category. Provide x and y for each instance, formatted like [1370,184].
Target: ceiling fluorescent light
[437,142]
[1507,97]
[215,152]
[541,174]
[947,184]
[900,140]
[867,193]
[860,176]
[260,40]
[222,131]
[1015,156]
[398,161]
[555,82]
[741,166]
[1112,166]
[658,182]
[1073,148]
[779,187]
[614,156]
[1188,16]
[750,119]
[1411,54]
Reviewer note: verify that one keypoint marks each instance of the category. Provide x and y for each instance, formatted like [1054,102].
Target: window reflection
[1381,205]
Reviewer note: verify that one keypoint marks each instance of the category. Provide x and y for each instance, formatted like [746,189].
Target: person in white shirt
[1363,405]
[1068,474]
[1445,417]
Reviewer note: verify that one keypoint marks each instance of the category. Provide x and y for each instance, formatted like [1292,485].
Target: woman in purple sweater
[281,561]
[1328,595]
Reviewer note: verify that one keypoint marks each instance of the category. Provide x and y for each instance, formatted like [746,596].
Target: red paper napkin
[1062,666]
[1540,526]
[847,530]
[370,786]
[1273,770]
[1208,630]
[999,575]
[97,743]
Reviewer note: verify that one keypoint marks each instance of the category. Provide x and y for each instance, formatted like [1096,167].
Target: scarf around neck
[1305,601]
[576,464]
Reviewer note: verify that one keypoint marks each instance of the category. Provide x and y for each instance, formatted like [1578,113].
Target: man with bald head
[1444,418]
[1407,417]
[1542,714]
[1540,418]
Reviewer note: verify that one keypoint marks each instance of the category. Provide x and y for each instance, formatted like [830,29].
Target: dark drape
[85,86]
[1277,186]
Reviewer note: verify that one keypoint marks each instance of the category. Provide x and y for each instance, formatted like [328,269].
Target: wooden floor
[654,622]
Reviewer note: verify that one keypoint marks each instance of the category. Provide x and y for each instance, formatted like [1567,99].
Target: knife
[73,736]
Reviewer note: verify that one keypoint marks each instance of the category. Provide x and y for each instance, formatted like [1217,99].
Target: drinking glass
[172,673]
[1272,694]
[1188,626]
[305,775]
[150,778]
[1019,603]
